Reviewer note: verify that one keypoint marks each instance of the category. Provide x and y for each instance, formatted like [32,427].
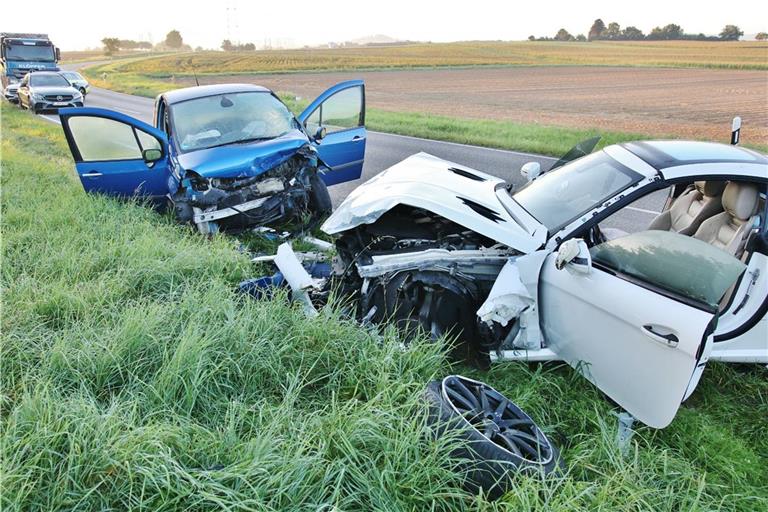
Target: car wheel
[82,91]
[500,440]
[319,199]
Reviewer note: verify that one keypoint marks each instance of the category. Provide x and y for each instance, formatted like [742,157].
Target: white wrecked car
[536,274]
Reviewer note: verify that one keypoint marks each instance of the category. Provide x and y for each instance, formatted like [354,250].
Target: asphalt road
[384,150]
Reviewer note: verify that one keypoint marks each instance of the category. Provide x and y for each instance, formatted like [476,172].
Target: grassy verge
[134,378]
[533,138]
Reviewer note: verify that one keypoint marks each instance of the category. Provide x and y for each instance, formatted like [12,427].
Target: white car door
[636,316]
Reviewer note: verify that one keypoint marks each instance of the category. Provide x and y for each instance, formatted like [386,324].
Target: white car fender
[515,295]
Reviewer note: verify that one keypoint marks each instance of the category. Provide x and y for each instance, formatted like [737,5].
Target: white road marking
[51,119]
[642,210]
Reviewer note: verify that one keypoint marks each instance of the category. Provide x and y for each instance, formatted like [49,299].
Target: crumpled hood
[243,160]
[456,192]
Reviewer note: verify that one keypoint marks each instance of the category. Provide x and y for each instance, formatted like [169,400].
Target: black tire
[485,464]
[319,199]
[82,91]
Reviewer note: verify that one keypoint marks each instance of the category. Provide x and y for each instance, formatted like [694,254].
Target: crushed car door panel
[341,112]
[116,154]
[639,323]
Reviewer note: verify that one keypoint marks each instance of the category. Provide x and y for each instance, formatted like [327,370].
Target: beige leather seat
[728,230]
[693,207]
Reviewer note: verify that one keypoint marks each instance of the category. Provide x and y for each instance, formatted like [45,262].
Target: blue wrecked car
[225,157]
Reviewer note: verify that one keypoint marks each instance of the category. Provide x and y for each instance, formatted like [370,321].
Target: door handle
[94,174]
[669,340]
[357,137]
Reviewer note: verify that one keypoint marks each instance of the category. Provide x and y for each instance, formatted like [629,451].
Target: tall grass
[133,378]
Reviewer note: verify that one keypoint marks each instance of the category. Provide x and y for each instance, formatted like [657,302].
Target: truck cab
[22,53]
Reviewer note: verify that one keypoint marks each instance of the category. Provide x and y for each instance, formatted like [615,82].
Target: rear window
[679,264]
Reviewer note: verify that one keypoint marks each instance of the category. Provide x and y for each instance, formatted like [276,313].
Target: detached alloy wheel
[502,440]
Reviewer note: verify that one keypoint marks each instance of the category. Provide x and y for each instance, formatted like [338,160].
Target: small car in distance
[227,157]
[78,81]
[11,92]
[46,91]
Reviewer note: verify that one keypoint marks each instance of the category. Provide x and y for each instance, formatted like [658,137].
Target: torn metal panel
[427,182]
[297,277]
[514,296]
[485,261]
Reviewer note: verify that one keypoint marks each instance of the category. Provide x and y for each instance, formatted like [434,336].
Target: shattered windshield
[558,197]
[229,119]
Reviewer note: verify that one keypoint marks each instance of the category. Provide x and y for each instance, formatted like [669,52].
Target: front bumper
[273,209]
[51,106]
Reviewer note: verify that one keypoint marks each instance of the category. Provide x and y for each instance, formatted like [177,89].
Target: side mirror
[152,155]
[58,54]
[319,133]
[530,170]
[574,255]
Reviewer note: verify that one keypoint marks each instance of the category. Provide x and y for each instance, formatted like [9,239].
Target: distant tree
[249,47]
[130,44]
[596,32]
[227,45]
[563,35]
[581,38]
[669,32]
[111,45]
[198,48]
[612,32]
[731,33]
[761,36]
[531,38]
[173,39]
[632,33]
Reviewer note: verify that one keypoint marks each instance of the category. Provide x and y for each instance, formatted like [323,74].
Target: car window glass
[342,110]
[46,80]
[561,196]
[679,264]
[98,138]
[228,119]
[147,141]
[313,121]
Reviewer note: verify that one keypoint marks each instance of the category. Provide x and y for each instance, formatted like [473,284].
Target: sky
[301,22]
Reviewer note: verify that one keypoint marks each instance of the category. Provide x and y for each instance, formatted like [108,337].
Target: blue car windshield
[224,119]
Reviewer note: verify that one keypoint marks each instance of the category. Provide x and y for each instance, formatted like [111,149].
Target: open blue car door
[116,154]
[341,111]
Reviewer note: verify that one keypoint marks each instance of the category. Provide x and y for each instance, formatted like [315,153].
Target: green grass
[528,137]
[134,378]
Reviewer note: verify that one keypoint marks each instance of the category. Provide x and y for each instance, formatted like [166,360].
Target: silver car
[77,80]
[43,91]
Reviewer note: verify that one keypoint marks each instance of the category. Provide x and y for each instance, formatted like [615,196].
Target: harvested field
[692,103]
[707,54]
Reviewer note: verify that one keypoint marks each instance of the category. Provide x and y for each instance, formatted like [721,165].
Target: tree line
[671,32]
[172,41]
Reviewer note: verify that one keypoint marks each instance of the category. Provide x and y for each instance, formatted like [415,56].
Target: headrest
[740,199]
[710,188]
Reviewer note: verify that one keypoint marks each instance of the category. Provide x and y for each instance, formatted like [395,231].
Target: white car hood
[425,181]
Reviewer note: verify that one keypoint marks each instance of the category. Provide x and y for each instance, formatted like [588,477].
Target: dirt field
[697,103]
